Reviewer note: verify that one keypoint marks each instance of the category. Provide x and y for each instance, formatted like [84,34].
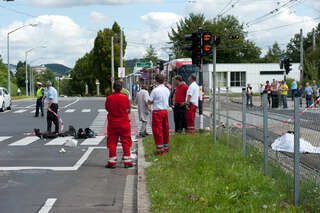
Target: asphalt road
[36,177]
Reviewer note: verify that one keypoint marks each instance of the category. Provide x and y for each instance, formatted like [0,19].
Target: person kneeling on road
[159,97]
[118,108]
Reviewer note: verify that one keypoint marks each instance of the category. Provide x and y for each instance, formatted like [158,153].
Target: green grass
[197,176]
[15,98]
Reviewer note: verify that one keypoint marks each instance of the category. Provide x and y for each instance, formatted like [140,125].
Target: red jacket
[181,93]
[117,105]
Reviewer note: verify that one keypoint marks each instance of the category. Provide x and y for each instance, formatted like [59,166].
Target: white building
[237,76]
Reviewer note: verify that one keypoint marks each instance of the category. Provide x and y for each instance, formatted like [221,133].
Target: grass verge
[197,176]
[15,98]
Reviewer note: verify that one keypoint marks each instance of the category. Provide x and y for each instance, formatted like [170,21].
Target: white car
[5,100]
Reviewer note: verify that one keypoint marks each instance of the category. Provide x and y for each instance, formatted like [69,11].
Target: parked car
[5,100]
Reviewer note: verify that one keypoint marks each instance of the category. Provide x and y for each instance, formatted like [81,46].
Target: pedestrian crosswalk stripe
[25,141]
[93,141]
[86,110]
[58,141]
[102,110]
[70,110]
[3,138]
[20,111]
[33,111]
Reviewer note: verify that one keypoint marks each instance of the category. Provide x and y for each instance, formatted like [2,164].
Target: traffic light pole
[214,94]
[201,97]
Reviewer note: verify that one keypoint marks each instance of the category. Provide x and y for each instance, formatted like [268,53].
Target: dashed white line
[86,110]
[25,141]
[70,110]
[48,205]
[58,141]
[3,138]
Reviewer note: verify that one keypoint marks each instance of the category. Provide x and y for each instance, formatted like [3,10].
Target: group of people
[277,93]
[156,106]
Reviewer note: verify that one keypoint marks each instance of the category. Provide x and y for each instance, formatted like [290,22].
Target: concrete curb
[143,202]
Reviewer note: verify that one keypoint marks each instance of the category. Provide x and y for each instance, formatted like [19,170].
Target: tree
[228,51]
[274,53]
[151,55]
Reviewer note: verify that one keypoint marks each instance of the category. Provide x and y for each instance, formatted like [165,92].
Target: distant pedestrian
[143,109]
[19,92]
[275,95]
[179,102]
[315,93]
[284,94]
[299,94]
[159,97]
[136,89]
[118,108]
[267,89]
[293,88]
[249,93]
[40,98]
[192,102]
[309,92]
[52,110]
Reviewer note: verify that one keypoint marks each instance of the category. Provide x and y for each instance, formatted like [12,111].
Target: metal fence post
[227,119]
[219,112]
[265,132]
[244,122]
[296,151]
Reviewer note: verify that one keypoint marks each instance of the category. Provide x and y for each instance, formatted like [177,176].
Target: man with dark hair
[192,100]
[118,107]
[52,110]
[143,109]
[179,102]
[160,125]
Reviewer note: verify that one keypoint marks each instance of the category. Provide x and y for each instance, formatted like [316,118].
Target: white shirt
[193,91]
[160,97]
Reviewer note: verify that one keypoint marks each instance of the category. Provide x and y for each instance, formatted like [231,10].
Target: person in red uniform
[192,100]
[118,108]
[159,97]
[179,102]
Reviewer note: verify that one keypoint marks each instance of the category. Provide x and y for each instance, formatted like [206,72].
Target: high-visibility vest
[40,92]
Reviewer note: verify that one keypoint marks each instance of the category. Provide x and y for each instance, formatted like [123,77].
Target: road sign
[144,64]
[144,75]
[121,72]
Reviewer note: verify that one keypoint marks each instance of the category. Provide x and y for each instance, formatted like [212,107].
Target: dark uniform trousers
[179,117]
[39,105]
[53,118]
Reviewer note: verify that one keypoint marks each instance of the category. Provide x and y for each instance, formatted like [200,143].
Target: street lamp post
[31,74]
[8,49]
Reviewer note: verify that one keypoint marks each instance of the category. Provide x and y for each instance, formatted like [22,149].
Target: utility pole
[214,92]
[121,48]
[301,57]
[27,93]
[313,47]
[112,64]
[8,56]
[200,97]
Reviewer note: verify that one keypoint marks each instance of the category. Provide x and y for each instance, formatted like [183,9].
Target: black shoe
[128,166]
[36,116]
[110,167]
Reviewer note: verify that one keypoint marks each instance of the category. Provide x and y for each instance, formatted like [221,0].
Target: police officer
[52,110]
[40,97]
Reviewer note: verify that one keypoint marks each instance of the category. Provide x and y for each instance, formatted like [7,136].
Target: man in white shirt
[192,101]
[159,97]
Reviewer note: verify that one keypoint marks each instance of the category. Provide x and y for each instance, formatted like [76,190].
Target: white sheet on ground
[286,144]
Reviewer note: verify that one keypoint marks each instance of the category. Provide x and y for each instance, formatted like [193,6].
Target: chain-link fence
[252,124]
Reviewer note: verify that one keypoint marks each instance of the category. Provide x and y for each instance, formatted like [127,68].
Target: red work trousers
[116,130]
[160,130]
[191,116]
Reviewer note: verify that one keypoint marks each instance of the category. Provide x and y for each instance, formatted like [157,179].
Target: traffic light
[195,47]
[207,40]
[234,37]
[287,65]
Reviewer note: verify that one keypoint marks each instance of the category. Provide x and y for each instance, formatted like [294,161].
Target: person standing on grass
[249,93]
[179,102]
[293,89]
[315,93]
[267,90]
[118,108]
[143,109]
[159,98]
[309,92]
[284,94]
[192,102]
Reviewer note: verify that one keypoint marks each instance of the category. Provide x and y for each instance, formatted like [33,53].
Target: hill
[59,69]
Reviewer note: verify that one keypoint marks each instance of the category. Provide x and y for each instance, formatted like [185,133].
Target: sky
[66,29]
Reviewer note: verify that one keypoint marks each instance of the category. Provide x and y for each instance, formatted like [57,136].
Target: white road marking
[20,111]
[58,141]
[93,141]
[33,111]
[3,138]
[75,167]
[70,110]
[25,141]
[86,110]
[102,110]
[48,205]
[129,193]
[71,103]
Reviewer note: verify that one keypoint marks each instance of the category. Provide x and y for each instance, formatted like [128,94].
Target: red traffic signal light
[206,43]
[234,37]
